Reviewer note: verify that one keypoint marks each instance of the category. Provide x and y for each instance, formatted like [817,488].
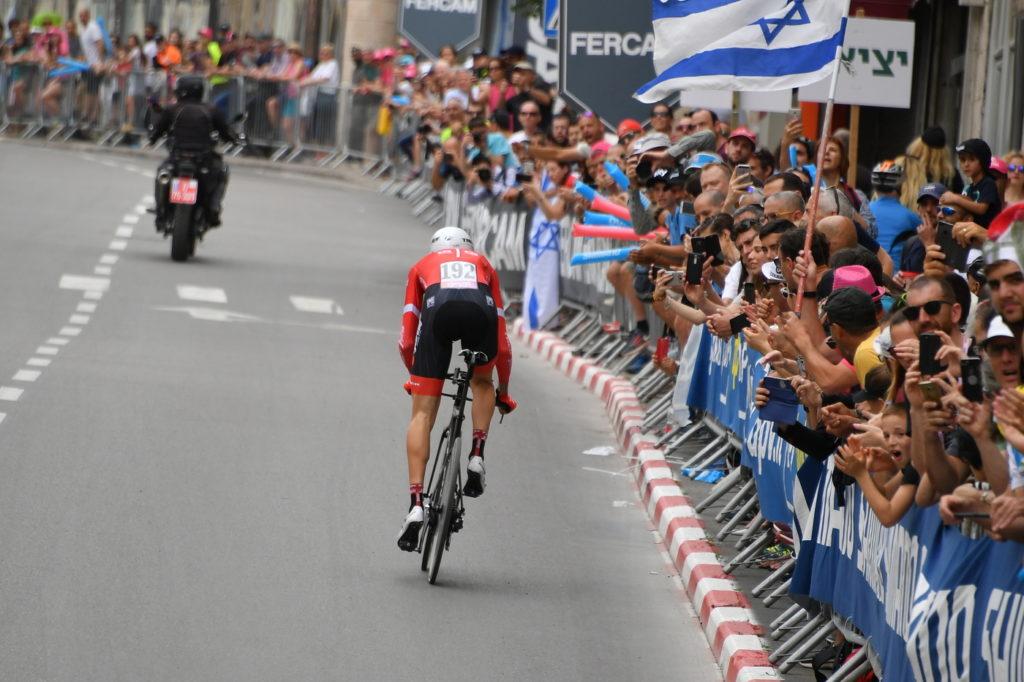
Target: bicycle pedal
[457,522]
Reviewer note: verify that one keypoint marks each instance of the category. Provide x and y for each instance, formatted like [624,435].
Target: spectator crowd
[906,349]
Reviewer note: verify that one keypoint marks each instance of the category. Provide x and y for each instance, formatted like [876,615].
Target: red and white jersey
[452,269]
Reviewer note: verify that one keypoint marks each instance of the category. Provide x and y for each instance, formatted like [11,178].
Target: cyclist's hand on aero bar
[505,403]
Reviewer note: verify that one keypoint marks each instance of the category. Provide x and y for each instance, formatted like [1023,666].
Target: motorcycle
[187,182]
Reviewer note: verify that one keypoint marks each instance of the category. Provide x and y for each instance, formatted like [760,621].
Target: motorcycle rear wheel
[183,236]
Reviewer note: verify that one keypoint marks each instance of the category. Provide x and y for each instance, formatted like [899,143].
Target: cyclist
[452,294]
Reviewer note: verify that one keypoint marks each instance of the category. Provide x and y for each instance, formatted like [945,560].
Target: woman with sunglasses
[661,119]
[1014,193]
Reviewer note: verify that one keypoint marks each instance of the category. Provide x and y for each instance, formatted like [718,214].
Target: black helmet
[189,88]
[887,176]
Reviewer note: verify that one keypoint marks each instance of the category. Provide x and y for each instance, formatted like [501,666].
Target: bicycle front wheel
[446,511]
[435,491]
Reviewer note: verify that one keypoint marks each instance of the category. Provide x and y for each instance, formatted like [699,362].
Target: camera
[424,129]
[644,170]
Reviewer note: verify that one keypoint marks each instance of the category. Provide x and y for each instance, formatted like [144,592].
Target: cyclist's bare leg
[483,401]
[417,440]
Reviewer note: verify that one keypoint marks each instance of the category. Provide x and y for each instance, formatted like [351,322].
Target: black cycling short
[448,315]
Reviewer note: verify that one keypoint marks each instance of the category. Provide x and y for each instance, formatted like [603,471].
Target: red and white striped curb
[729,623]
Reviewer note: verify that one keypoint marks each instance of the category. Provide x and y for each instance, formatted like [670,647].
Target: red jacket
[426,273]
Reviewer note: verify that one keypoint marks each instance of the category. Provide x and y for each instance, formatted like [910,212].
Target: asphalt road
[202,465]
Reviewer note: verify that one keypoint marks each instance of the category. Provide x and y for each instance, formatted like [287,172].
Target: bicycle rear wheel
[446,512]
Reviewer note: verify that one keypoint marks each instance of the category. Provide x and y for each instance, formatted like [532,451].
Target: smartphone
[739,323]
[661,350]
[694,268]
[930,345]
[676,278]
[956,255]
[783,403]
[741,170]
[931,390]
[709,246]
[748,293]
[970,371]
[523,178]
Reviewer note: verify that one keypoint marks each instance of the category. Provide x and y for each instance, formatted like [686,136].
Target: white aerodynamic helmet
[450,238]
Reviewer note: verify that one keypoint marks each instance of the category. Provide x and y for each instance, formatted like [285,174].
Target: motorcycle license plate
[184,190]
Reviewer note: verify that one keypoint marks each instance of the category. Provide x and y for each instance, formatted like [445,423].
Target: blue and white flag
[540,291]
[743,44]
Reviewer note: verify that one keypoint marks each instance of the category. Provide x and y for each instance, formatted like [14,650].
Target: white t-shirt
[731,288]
[327,71]
[91,36]
[149,51]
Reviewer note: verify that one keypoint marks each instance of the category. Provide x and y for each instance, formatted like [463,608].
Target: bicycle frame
[446,468]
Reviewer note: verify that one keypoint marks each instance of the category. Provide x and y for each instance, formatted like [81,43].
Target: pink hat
[746,134]
[206,32]
[387,52]
[857,276]
[998,165]
[378,55]
[599,149]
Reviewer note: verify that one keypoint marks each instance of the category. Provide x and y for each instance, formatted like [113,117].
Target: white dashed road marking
[102,270]
[118,245]
[79,319]
[47,350]
[189,292]
[93,295]
[40,362]
[130,218]
[56,341]
[10,393]
[26,375]
[86,307]
[125,232]
[323,306]
[86,284]
[70,331]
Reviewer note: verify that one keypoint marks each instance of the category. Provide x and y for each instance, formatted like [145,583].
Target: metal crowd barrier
[319,123]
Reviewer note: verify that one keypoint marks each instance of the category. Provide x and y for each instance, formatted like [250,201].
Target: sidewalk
[347,172]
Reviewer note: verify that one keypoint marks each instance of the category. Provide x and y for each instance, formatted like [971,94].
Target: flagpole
[812,205]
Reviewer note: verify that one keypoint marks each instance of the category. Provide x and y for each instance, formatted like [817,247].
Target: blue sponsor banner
[773,460]
[723,384]
[551,18]
[934,604]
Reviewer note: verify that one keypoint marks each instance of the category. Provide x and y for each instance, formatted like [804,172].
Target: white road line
[190,292]
[86,284]
[131,167]
[149,174]
[125,231]
[146,199]
[47,350]
[39,362]
[56,341]
[93,295]
[70,331]
[111,258]
[3,416]
[86,307]
[118,245]
[323,306]
[26,375]
[130,218]
[79,319]
[140,208]
[10,393]
[102,270]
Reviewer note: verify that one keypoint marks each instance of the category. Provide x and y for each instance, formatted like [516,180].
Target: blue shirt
[894,219]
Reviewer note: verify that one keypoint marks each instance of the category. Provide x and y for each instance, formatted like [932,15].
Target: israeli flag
[743,44]
[540,291]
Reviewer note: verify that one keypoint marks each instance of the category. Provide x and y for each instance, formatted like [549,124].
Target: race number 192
[458,275]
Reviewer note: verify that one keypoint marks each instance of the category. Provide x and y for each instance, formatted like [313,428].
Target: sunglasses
[996,348]
[661,114]
[685,127]
[912,312]
[1014,168]
[529,113]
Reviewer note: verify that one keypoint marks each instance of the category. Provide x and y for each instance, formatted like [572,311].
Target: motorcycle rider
[189,123]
